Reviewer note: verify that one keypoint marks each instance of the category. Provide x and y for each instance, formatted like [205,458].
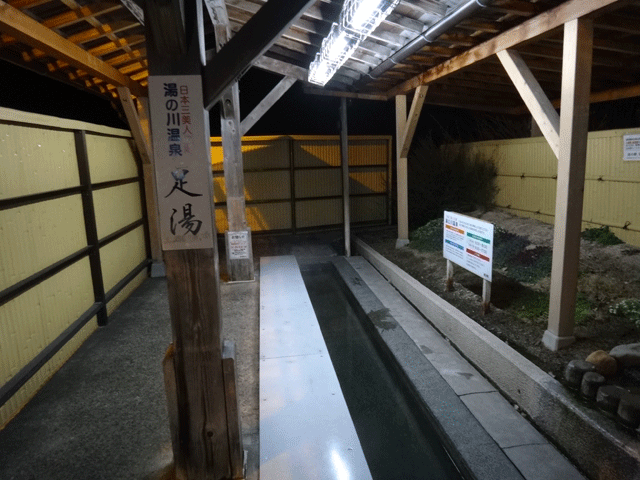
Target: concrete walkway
[103,414]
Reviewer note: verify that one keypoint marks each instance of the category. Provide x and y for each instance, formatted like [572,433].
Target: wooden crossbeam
[534,97]
[283,68]
[267,102]
[28,31]
[528,30]
[336,93]
[251,42]
[412,120]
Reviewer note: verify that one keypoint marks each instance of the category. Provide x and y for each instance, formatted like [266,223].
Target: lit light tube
[357,20]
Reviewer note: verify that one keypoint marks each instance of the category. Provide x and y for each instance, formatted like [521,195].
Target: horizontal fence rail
[294,183]
[527,181]
[86,151]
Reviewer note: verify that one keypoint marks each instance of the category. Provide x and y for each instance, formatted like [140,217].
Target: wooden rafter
[528,30]
[28,31]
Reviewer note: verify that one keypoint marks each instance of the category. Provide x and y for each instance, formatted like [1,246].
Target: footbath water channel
[397,440]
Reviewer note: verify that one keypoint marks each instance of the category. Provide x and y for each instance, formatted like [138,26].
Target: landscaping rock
[627,355]
[608,397]
[591,382]
[629,410]
[575,370]
[605,364]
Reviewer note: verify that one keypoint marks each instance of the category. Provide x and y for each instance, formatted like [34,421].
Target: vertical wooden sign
[182,162]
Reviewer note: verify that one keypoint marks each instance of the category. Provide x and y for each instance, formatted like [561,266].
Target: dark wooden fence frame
[92,250]
[293,200]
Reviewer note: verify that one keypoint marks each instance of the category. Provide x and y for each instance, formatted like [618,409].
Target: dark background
[297,112]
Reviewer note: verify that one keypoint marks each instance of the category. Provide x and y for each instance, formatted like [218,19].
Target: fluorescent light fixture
[357,20]
[336,48]
[363,16]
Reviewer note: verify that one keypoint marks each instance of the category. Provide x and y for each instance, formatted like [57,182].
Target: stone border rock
[595,443]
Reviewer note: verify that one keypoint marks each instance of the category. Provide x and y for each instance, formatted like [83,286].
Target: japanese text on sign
[182,160]
[468,242]
[631,147]
[238,246]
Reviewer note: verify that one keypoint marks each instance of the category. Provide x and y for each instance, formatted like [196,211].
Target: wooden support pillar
[574,123]
[182,150]
[344,157]
[401,173]
[405,129]
[238,237]
[138,120]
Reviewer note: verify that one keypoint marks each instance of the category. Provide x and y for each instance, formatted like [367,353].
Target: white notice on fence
[182,152]
[631,147]
[238,245]
[468,242]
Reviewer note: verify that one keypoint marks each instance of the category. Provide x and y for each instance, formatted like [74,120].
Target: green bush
[629,308]
[429,237]
[447,177]
[601,235]
[534,305]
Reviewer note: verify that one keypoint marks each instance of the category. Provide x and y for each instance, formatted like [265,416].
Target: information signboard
[631,147]
[468,242]
[238,245]
[182,154]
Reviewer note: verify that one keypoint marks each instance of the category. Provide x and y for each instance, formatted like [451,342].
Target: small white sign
[631,147]
[238,245]
[182,154]
[468,242]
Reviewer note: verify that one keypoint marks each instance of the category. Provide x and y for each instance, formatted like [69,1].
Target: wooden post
[405,129]
[171,392]
[486,296]
[233,412]
[448,282]
[238,237]
[344,157]
[181,145]
[139,126]
[574,123]
[401,173]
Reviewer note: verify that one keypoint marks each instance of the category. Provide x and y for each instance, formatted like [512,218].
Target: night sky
[296,112]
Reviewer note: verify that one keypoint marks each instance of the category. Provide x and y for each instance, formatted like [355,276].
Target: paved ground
[103,414]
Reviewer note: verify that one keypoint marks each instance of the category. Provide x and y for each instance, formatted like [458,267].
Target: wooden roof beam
[79,14]
[282,68]
[528,30]
[28,31]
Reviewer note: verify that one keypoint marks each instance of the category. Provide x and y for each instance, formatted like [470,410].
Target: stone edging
[591,440]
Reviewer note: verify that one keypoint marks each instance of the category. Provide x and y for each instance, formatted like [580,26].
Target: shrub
[601,235]
[448,177]
[429,237]
[629,308]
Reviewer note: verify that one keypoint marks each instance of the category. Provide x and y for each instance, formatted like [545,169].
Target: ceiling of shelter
[100,45]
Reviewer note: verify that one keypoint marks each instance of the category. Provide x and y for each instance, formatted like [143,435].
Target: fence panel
[295,182]
[527,180]
[49,266]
